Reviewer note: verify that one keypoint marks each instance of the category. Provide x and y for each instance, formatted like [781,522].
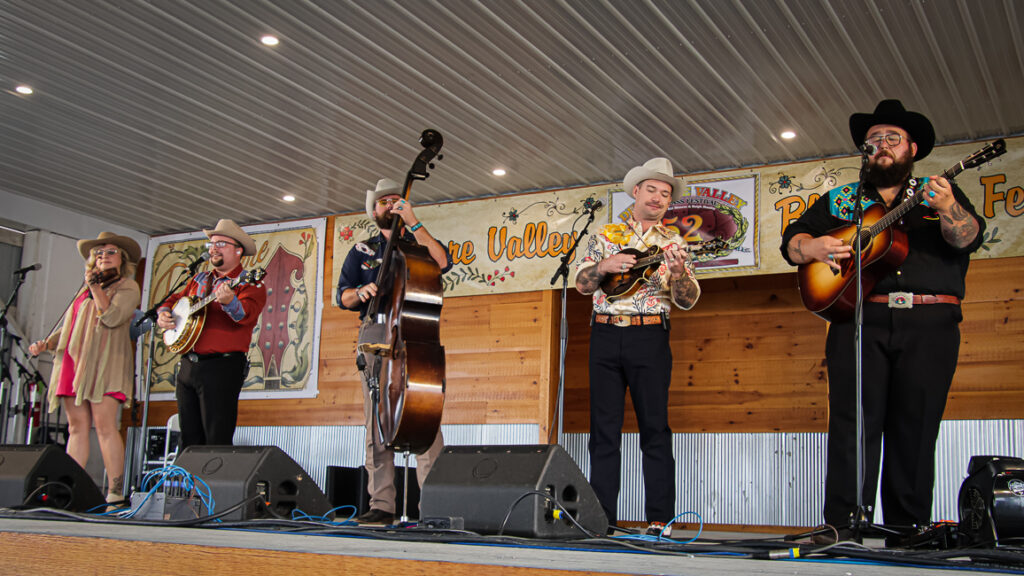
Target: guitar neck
[901,210]
[211,296]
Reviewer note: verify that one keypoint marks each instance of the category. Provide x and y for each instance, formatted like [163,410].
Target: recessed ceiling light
[288,198]
[498,171]
[23,89]
[269,40]
[788,135]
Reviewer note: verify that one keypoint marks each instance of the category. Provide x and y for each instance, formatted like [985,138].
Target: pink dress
[67,371]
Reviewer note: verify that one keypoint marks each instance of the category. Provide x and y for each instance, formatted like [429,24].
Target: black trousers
[207,391]
[909,357]
[638,358]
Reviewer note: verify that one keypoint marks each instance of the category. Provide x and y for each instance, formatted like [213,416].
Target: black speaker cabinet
[237,473]
[475,486]
[36,476]
[992,500]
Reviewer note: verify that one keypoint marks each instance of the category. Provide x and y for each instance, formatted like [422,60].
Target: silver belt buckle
[901,299]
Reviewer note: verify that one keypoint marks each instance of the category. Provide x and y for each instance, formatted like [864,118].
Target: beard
[216,260]
[894,174]
[384,221]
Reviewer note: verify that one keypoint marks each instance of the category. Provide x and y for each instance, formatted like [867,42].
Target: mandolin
[189,314]
[831,293]
[625,284]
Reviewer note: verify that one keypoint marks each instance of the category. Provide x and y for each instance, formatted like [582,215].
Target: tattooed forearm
[798,253]
[959,228]
[685,291]
[588,280]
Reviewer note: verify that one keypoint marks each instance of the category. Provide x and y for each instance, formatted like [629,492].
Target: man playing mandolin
[629,340]
[356,288]
[211,374]
[910,329]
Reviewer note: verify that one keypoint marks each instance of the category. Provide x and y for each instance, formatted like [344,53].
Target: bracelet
[416,227]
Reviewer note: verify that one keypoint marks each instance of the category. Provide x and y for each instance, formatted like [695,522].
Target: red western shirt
[228,328]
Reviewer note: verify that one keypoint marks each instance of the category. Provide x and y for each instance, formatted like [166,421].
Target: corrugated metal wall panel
[778,479]
[752,479]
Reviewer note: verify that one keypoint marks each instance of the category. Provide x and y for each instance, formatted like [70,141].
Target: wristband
[416,227]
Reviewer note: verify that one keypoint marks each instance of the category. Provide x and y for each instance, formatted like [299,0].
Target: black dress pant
[909,358]
[638,358]
[207,391]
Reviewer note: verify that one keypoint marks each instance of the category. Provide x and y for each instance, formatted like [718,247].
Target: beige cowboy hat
[131,247]
[385,187]
[228,228]
[653,169]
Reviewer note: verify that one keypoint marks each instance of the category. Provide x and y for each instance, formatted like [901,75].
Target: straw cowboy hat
[228,228]
[653,169]
[893,112]
[385,187]
[131,247]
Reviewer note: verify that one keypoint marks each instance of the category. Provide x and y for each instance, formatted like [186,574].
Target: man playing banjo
[213,370]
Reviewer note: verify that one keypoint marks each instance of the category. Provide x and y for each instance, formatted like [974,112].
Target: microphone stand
[6,381]
[134,457]
[859,523]
[563,335]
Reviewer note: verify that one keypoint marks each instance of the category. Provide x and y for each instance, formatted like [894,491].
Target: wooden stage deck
[30,546]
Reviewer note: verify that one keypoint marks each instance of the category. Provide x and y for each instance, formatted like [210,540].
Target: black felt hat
[893,112]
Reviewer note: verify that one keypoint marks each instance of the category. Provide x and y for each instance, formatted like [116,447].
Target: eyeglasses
[892,139]
[220,244]
[100,252]
[388,201]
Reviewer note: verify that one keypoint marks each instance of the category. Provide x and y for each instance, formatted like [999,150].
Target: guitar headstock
[255,276]
[990,152]
[709,246]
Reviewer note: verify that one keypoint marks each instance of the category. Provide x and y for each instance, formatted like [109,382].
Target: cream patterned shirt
[654,294]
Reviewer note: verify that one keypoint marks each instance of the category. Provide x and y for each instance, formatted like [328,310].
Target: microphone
[195,265]
[27,269]
[596,205]
[867,149]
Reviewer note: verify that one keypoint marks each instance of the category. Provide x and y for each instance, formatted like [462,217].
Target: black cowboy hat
[893,112]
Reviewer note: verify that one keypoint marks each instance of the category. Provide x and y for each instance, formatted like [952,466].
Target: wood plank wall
[747,358]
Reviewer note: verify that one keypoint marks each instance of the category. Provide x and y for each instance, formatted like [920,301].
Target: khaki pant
[380,461]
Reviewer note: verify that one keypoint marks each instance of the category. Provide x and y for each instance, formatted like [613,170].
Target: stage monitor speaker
[44,475]
[238,473]
[475,486]
[991,501]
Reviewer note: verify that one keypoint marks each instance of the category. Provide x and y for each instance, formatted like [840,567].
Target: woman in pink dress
[93,368]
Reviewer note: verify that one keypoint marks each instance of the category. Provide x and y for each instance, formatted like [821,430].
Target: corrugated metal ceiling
[166,115]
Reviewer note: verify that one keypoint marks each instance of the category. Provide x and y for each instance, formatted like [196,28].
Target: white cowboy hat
[653,169]
[385,187]
[131,247]
[228,228]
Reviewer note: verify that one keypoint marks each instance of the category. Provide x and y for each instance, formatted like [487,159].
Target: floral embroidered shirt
[654,294]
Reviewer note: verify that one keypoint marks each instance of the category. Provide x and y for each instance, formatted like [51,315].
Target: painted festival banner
[734,219]
[284,352]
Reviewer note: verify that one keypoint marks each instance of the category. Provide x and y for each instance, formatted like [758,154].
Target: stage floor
[32,546]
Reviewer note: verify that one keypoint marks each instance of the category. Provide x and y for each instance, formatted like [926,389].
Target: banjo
[189,314]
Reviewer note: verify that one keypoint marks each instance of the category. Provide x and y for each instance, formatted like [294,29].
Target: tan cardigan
[100,347]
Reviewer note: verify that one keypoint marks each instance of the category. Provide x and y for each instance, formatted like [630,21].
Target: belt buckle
[901,299]
[620,320]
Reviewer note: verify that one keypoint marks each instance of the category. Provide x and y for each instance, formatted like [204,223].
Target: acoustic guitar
[830,293]
[624,284]
[189,314]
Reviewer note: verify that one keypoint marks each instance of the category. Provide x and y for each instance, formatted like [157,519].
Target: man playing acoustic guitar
[211,374]
[911,333]
[629,344]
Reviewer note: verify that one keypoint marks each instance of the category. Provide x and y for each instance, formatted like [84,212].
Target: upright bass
[399,348]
